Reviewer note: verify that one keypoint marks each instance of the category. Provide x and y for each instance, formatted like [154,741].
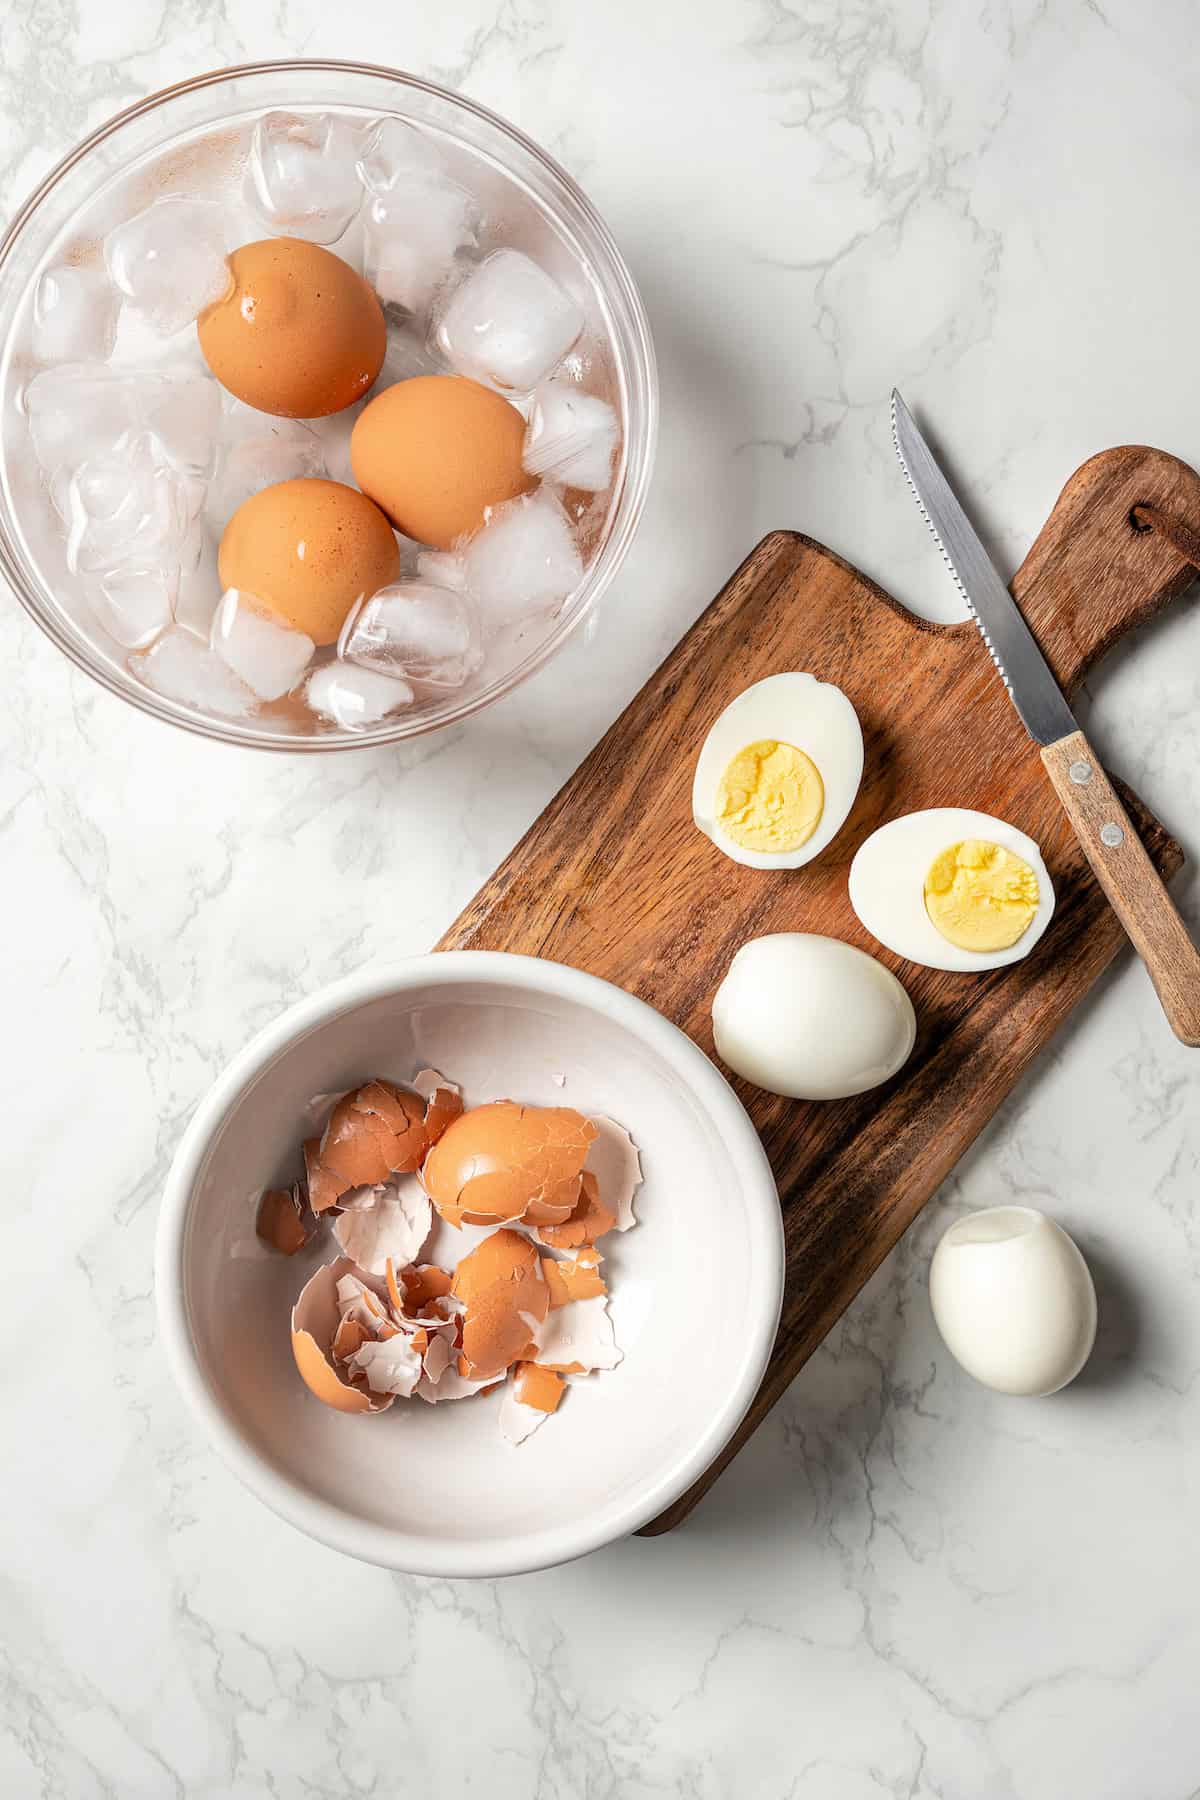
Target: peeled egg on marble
[811,1018]
[952,889]
[778,772]
[1013,1300]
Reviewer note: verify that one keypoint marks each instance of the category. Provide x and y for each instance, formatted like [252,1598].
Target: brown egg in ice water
[435,451]
[308,550]
[300,334]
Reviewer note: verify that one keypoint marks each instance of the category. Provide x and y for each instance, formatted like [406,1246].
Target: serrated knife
[1108,838]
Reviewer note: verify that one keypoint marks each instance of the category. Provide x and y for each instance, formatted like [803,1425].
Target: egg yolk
[770,798]
[981,897]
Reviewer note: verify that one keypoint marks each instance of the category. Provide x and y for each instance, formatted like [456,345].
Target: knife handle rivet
[1080,773]
[1112,835]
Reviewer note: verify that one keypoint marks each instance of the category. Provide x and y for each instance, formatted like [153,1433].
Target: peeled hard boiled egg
[811,1018]
[1013,1300]
[778,772]
[952,889]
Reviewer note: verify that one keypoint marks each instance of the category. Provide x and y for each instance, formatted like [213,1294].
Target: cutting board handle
[1107,559]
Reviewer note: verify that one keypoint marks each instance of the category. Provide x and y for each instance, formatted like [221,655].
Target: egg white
[791,708]
[887,886]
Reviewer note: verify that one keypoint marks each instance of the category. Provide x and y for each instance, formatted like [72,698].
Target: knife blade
[1105,832]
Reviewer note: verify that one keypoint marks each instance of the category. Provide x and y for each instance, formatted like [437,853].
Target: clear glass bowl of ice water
[194,141]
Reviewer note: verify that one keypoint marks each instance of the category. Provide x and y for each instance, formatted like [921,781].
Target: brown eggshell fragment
[572,1279]
[300,334]
[504,1161]
[421,1287]
[501,1285]
[282,1221]
[589,1221]
[443,1102]
[316,1320]
[540,1388]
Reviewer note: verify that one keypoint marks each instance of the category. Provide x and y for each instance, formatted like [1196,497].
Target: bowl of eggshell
[328,406]
[470,1265]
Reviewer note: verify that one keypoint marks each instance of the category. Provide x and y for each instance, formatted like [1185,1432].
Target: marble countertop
[906,1587]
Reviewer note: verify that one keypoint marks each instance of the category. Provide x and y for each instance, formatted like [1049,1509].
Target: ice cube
[78,410]
[444,568]
[74,315]
[410,238]
[199,581]
[184,415]
[124,511]
[355,697]
[509,322]
[524,560]
[179,667]
[268,656]
[301,177]
[169,261]
[571,437]
[393,152]
[416,631]
[134,605]
[263,451]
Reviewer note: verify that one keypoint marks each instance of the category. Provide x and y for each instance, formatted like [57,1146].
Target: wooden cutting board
[615,879]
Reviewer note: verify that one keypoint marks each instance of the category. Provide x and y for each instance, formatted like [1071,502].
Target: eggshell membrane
[393,1229]
[315,1322]
[435,452]
[307,550]
[589,1220]
[887,886]
[792,708]
[577,1338]
[443,1102]
[503,1289]
[299,335]
[614,1159]
[504,1161]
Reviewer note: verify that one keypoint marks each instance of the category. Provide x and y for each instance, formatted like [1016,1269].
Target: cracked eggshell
[810,715]
[591,1219]
[528,1400]
[504,1292]
[573,1278]
[443,1103]
[376,1131]
[392,1228]
[316,1317]
[284,1220]
[502,1162]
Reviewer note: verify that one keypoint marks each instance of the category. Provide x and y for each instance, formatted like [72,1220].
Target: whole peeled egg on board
[300,334]
[778,772]
[435,452]
[1013,1300]
[307,550]
[811,1018]
[952,889]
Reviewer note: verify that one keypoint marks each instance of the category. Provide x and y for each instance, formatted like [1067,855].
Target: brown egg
[300,334]
[435,451]
[505,1161]
[308,550]
[505,1294]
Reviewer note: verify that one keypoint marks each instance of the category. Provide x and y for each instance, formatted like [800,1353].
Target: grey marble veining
[906,1587]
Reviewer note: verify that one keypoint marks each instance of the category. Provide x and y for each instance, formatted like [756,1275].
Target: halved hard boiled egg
[952,889]
[779,771]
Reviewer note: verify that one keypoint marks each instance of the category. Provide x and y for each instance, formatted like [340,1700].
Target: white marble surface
[906,1587]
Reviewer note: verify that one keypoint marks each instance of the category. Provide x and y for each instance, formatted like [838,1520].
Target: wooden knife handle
[1130,880]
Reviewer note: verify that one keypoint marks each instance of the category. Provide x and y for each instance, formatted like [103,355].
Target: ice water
[103,372]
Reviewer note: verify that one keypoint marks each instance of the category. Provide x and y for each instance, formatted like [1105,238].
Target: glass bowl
[190,139]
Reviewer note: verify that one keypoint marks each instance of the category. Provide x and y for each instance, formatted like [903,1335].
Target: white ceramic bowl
[696,1286]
